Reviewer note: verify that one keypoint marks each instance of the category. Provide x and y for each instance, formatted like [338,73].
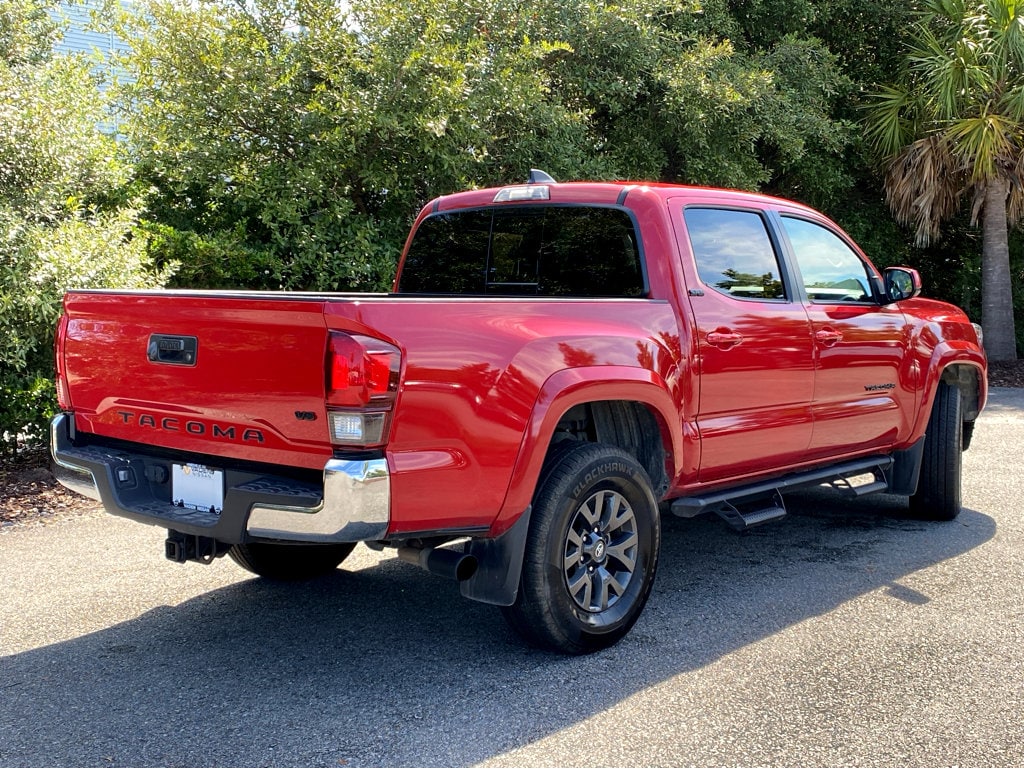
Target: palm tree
[953,128]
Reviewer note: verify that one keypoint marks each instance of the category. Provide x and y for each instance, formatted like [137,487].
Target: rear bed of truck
[207,414]
[235,376]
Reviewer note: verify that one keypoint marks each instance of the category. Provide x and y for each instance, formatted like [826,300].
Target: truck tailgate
[233,375]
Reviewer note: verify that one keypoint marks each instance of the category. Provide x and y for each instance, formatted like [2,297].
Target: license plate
[197,487]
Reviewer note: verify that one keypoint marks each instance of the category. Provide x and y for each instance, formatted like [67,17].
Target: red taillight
[338,380]
[361,370]
[362,383]
[379,378]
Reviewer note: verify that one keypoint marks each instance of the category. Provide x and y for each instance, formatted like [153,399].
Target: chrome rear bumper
[355,507]
[352,505]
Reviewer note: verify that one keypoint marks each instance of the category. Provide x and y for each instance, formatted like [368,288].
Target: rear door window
[734,253]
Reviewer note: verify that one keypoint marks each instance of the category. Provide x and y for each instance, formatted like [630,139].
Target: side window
[832,271]
[734,253]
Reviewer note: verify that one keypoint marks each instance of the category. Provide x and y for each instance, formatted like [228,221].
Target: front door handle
[828,337]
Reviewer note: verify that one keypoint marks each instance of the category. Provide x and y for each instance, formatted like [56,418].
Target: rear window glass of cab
[535,250]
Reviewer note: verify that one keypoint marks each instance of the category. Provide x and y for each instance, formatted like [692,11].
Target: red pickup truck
[556,366]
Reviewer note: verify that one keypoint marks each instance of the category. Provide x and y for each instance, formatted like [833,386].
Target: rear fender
[573,387]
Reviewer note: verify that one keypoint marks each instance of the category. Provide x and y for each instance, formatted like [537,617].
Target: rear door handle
[724,339]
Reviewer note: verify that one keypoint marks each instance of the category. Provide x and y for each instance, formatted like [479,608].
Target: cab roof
[601,193]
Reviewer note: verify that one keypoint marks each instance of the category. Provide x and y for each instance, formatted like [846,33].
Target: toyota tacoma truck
[556,366]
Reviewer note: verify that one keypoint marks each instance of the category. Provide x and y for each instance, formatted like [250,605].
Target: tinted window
[734,253]
[830,269]
[526,250]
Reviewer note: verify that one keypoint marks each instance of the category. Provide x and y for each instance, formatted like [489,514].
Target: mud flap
[500,564]
[906,469]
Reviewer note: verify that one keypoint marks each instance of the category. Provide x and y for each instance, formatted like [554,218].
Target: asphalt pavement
[846,634]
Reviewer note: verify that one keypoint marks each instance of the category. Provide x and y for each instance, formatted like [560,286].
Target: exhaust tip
[465,567]
[444,563]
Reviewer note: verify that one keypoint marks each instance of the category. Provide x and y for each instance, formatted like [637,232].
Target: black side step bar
[751,505]
[751,514]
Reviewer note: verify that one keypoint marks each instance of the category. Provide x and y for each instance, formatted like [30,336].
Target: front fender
[945,355]
[573,387]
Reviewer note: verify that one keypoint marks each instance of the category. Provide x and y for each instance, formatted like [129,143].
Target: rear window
[734,254]
[526,251]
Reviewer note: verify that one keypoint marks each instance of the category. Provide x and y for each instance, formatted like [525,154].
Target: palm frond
[1011,103]
[1012,35]
[953,72]
[999,13]
[923,185]
[949,11]
[1015,204]
[892,120]
[984,143]
[978,202]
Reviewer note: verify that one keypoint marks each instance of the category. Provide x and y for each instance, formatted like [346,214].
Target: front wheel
[290,562]
[591,553]
[938,489]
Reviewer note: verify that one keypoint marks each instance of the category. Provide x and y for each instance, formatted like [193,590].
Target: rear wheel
[290,562]
[591,554]
[938,489]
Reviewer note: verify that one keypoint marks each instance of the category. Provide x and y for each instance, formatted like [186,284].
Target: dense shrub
[289,143]
[65,221]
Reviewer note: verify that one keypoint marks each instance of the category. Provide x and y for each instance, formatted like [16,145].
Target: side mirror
[901,283]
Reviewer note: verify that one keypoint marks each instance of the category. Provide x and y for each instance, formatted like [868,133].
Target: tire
[591,552]
[290,562]
[938,489]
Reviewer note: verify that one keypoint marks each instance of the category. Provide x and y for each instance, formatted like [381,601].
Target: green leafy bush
[40,262]
[64,217]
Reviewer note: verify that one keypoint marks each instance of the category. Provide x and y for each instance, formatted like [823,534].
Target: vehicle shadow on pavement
[389,666]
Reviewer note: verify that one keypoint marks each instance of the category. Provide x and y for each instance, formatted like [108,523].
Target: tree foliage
[27,32]
[291,142]
[953,124]
[64,221]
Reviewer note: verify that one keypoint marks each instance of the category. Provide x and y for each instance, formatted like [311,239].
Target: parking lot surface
[846,634]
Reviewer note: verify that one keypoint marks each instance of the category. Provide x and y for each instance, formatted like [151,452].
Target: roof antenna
[539,177]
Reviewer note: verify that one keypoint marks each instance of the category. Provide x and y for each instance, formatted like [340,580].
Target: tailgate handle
[176,350]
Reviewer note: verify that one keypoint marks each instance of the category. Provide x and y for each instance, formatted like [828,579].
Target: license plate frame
[197,487]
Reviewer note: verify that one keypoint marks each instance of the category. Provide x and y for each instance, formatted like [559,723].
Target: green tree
[953,125]
[65,221]
[27,32]
[672,97]
[289,143]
